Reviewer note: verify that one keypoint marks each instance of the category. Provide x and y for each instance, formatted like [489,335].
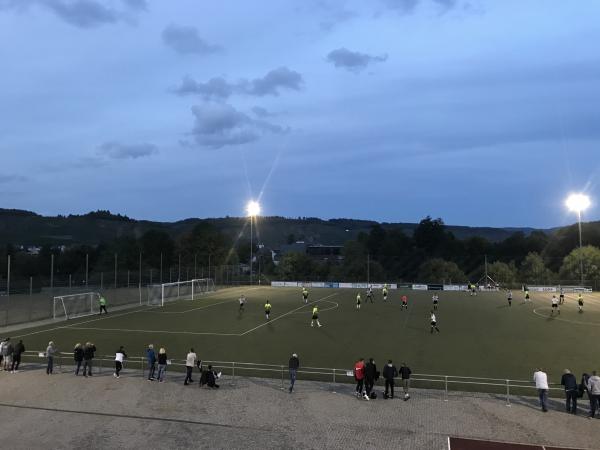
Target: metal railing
[444,383]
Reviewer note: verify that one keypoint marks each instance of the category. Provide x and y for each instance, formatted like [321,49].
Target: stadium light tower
[579,203]
[253,210]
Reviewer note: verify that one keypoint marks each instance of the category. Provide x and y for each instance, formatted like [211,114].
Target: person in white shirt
[554,305]
[541,384]
[593,388]
[242,300]
[434,323]
[119,357]
[190,361]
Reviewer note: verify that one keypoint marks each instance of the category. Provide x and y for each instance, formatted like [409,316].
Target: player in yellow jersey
[315,317]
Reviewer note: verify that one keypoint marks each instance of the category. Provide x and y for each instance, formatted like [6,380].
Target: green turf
[480,336]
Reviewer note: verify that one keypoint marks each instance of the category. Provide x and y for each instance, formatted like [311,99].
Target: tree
[571,267]
[295,266]
[154,243]
[533,270]
[502,273]
[437,270]
[430,235]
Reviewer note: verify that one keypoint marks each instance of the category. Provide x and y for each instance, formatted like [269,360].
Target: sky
[481,112]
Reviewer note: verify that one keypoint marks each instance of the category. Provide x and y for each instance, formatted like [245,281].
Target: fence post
[233,372]
[333,381]
[445,388]
[507,393]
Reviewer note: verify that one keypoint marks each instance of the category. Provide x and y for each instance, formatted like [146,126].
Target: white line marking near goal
[576,322]
[287,314]
[154,331]
[193,309]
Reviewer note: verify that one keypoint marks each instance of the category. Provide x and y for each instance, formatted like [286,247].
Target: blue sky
[479,112]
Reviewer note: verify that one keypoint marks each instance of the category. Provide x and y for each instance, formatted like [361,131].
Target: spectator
[405,374]
[78,357]
[190,361]
[8,354]
[2,344]
[211,378]
[50,351]
[583,388]
[294,365]
[88,355]
[120,355]
[359,376]
[541,384]
[389,373]
[162,365]
[569,381]
[593,387]
[151,357]
[19,349]
[370,376]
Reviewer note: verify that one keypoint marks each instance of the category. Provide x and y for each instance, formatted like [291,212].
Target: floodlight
[578,202]
[253,209]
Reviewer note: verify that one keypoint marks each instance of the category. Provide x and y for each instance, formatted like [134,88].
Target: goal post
[159,294]
[75,305]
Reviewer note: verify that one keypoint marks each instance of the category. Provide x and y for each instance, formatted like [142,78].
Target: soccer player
[509,298]
[434,323]
[358,301]
[384,291]
[561,297]
[305,295]
[404,302]
[435,300]
[315,317]
[267,309]
[554,305]
[580,303]
[242,301]
[527,299]
[102,303]
[370,295]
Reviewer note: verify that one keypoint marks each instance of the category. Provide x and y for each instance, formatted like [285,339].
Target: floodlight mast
[253,210]
[579,203]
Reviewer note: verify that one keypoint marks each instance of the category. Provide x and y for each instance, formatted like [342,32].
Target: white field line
[155,331]
[203,307]
[557,317]
[335,306]
[287,314]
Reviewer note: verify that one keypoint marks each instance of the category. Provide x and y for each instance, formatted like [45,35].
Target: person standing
[162,364]
[405,374]
[404,302]
[561,298]
[293,365]
[527,299]
[433,322]
[78,358]
[370,376]
[18,350]
[554,305]
[315,317]
[242,301]
[593,388]
[305,295]
[359,376]
[389,373]
[151,358]
[102,303]
[190,361]
[509,298]
[384,292]
[580,303]
[541,383]
[120,355]
[369,295]
[8,351]
[50,351]
[2,344]
[267,309]
[569,381]
[435,299]
[88,355]
[358,301]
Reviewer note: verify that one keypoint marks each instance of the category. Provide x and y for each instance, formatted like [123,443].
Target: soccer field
[480,336]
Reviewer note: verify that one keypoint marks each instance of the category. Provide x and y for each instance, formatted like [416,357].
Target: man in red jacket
[359,376]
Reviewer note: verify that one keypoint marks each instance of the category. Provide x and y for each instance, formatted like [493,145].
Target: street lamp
[578,203]
[253,210]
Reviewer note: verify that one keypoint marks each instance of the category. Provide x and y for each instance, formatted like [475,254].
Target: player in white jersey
[435,299]
[434,323]
[554,305]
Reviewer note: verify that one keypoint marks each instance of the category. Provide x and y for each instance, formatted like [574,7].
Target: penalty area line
[126,330]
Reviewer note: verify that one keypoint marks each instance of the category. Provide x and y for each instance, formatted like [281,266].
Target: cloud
[218,124]
[187,40]
[81,13]
[11,178]
[401,6]
[261,112]
[218,88]
[115,150]
[352,61]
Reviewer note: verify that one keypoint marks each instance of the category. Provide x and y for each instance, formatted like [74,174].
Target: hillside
[28,228]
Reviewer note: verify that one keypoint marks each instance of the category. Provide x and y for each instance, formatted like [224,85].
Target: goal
[75,305]
[159,294]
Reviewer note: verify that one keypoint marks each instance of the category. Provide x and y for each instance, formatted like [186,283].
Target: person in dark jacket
[211,378]
[88,355]
[151,358]
[405,374]
[78,357]
[389,373]
[583,388]
[370,376]
[17,351]
[569,381]
[293,364]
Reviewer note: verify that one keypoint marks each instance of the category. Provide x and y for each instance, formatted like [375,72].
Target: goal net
[75,305]
[159,294]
